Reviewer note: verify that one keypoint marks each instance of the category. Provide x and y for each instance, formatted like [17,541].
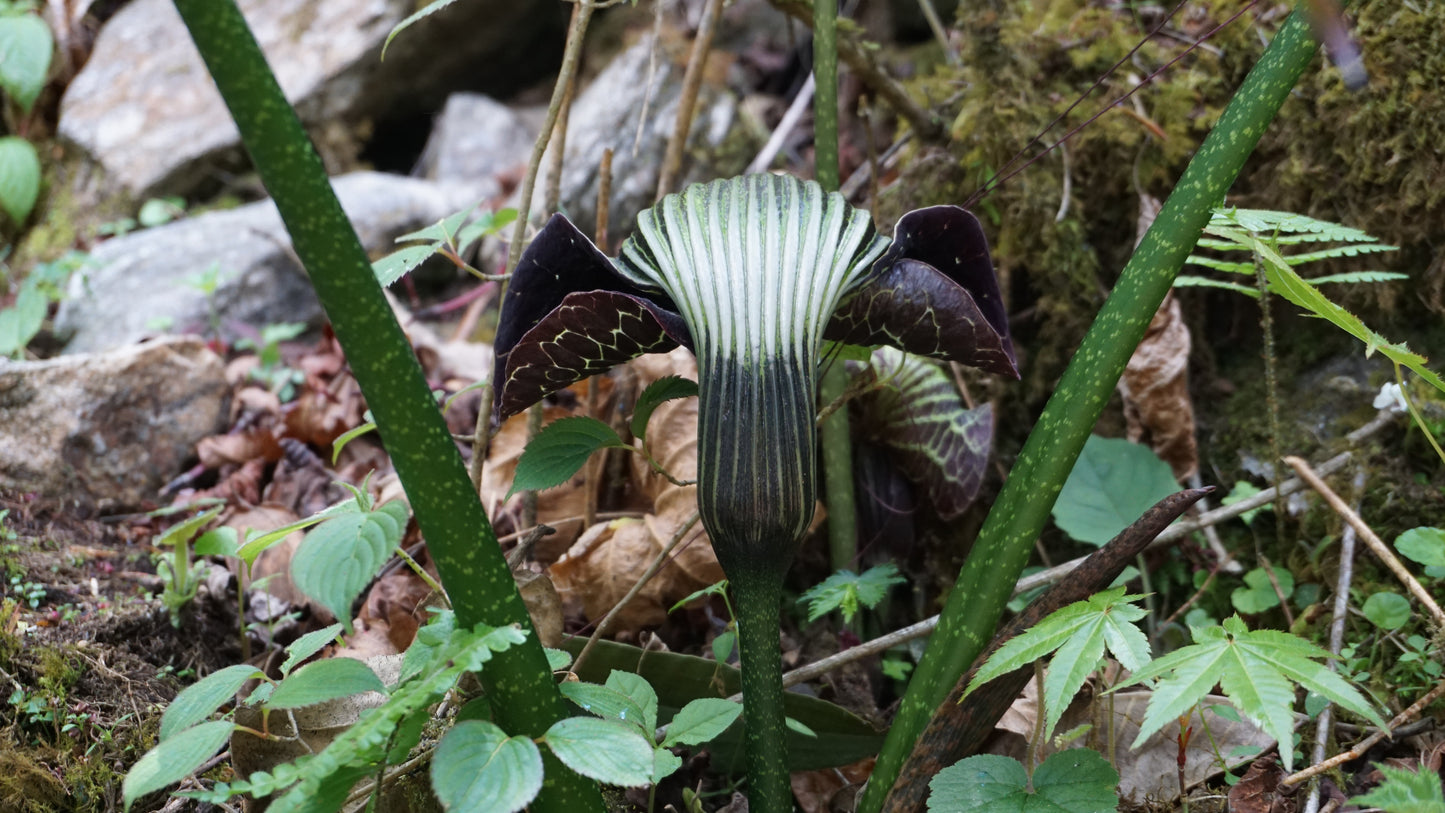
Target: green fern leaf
[1357,276]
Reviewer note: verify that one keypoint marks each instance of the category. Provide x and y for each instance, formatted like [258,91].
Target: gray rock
[146,281]
[607,114]
[146,110]
[474,140]
[108,431]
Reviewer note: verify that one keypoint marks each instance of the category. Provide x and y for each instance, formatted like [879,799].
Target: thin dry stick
[553,196]
[691,82]
[570,57]
[652,570]
[593,467]
[1341,611]
[1376,546]
[1369,742]
[794,114]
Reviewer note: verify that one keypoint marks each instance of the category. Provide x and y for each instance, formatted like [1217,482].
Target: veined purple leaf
[918,416]
[934,294]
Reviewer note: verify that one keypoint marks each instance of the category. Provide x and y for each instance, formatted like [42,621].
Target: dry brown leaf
[1259,790]
[239,447]
[1155,386]
[604,564]
[544,605]
[370,638]
[831,789]
[397,601]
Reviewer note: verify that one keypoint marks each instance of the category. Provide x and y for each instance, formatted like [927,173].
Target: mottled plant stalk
[757,598]
[833,433]
[461,540]
[1022,508]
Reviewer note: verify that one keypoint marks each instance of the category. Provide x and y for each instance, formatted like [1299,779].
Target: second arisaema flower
[752,274]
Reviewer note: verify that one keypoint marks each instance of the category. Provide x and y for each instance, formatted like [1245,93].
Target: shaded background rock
[476,138]
[149,275]
[145,109]
[108,431]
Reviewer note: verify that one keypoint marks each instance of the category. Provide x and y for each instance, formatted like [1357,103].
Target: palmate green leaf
[324,680]
[657,393]
[175,759]
[201,699]
[605,750]
[1424,545]
[1255,668]
[1074,781]
[478,767]
[1078,635]
[1288,284]
[1113,483]
[559,450]
[341,556]
[1405,791]
[846,591]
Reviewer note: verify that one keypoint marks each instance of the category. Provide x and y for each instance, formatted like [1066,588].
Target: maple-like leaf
[1258,670]
[1078,635]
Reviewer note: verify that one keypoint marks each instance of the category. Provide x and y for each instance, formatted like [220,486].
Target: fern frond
[1187,281]
[1349,250]
[1357,276]
[1221,265]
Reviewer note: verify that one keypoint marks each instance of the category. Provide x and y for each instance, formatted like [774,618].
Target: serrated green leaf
[1405,791]
[846,591]
[1190,281]
[25,50]
[662,390]
[1113,483]
[488,223]
[700,721]
[1073,781]
[1387,610]
[255,545]
[308,645]
[606,703]
[1353,277]
[21,321]
[557,659]
[1424,545]
[341,556]
[715,589]
[426,11]
[174,759]
[1255,668]
[441,231]
[640,691]
[478,767]
[559,450]
[324,680]
[664,764]
[1221,265]
[604,750]
[201,699]
[401,262]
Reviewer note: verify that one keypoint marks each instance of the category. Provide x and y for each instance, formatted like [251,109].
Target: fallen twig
[1376,546]
[691,82]
[1369,742]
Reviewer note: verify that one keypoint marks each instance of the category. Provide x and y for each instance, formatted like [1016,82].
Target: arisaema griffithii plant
[751,274]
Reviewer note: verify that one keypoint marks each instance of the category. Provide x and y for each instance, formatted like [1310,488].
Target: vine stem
[756,602]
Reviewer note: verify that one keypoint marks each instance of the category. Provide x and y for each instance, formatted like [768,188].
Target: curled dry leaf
[544,605]
[603,565]
[1155,386]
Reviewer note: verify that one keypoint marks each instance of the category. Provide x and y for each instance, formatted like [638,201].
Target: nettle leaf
[341,556]
[1424,545]
[201,699]
[846,590]
[478,767]
[1258,593]
[401,262]
[175,759]
[636,687]
[1113,483]
[664,389]
[1405,791]
[1074,781]
[324,680]
[1078,635]
[308,645]
[560,450]
[916,413]
[606,703]
[701,720]
[1257,670]
[25,50]
[604,750]
[1387,610]
[365,742]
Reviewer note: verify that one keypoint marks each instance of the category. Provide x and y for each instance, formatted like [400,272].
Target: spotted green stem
[1002,548]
